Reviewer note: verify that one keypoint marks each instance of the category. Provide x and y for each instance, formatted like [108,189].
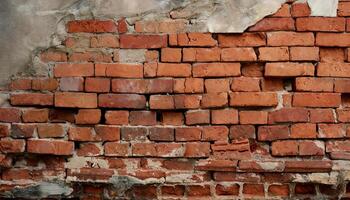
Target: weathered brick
[271,133]
[21,84]
[161,134]
[304,53]
[331,131]
[53,56]
[174,70]
[122,101]
[290,39]
[253,117]
[242,40]
[321,115]
[146,118]
[333,69]
[288,115]
[225,116]
[300,9]
[129,41]
[116,149]
[343,9]
[105,40]
[91,26]
[197,149]
[97,85]
[253,99]
[201,54]
[314,84]
[273,54]
[50,130]
[73,69]
[329,54]
[213,100]
[195,39]
[49,84]
[107,132]
[189,85]
[171,55]
[342,85]
[333,39]
[162,102]
[253,190]
[303,130]
[215,133]
[187,101]
[274,24]
[197,117]
[118,117]
[10,115]
[73,84]
[172,118]
[324,24]
[75,100]
[311,148]
[224,189]
[284,148]
[316,100]
[245,84]
[12,145]
[279,190]
[289,69]
[216,69]
[55,147]
[217,85]
[88,116]
[122,70]
[238,54]
[35,115]
[35,99]
[242,132]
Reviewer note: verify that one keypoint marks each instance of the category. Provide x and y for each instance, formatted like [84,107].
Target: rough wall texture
[145,112]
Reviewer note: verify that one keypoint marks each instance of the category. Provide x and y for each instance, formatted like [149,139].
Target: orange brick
[273,54]
[333,39]
[91,26]
[117,117]
[253,117]
[196,39]
[332,54]
[37,99]
[238,54]
[289,69]
[216,69]
[162,102]
[174,70]
[253,99]
[245,84]
[314,84]
[104,41]
[201,54]
[284,148]
[316,100]
[217,85]
[242,40]
[55,147]
[75,100]
[328,24]
[171,55]
[130,41]
[88,116]
[342,85]
[225,116]
[343,9]
[303,130]
[122,70]
[304,53]
[333,69]
[213,100]
[290,39]
[69,69]
[300,10]
[274,24]
[197,117]
[97,84]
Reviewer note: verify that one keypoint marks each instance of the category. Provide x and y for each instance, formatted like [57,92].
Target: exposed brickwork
[258,115]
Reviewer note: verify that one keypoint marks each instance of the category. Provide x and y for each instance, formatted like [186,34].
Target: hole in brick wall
[345,100]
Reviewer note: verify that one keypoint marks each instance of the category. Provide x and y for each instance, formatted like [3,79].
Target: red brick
[316,100]
[195,39]
[73,84]
[108,133]
[197,149]
[133,133]
[253,69]
[272,84]
[242,40]
[171,55]
[89,149]
[332,54]
[245,84]
[53,56]
[116,149]
[284,148]
[143,41]
[321,115]
[189,85]
[122,25]
[311,148]
[88,116]
[333,69]
[61,115]
[157,150]
[304,53]
[187,101]
[197,117]
[331,131]
[224,189]
[279,190]
[271,133]
[264,99]
[333,39]
[216,69]
[142,85]
[162,102]
[273,54]
[4,131]
[73,69]
[308,166]
[289,69]
[55,147]
[12,145]
[328,24]
[338,146]
[50,130]
[82,134]
[122,70]
[343,9]
[21,84]
[152,56]
[215,133]
[303,130]
[75,100]
[90,56]
[213,100]
[238,54]
[161,134]
[173,190]
[300,10]
[314,84]
[198,190]
[172,118]
[290,39]
[91,26]
[242,132]
[284,11]
[342,85]
[304,189]
[225,116]
[174,70]
[188,134]
[118,117]
[35,115]
[253,189]
[274,24]
[146,118]
[289,115]
[22,130]
[10,115]
[201,54]
[97,84]
[253,117]
[35,99]
[104,41]
[122,101]
[217,85]
[49,84]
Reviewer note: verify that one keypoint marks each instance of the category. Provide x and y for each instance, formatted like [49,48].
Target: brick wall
[144,112]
